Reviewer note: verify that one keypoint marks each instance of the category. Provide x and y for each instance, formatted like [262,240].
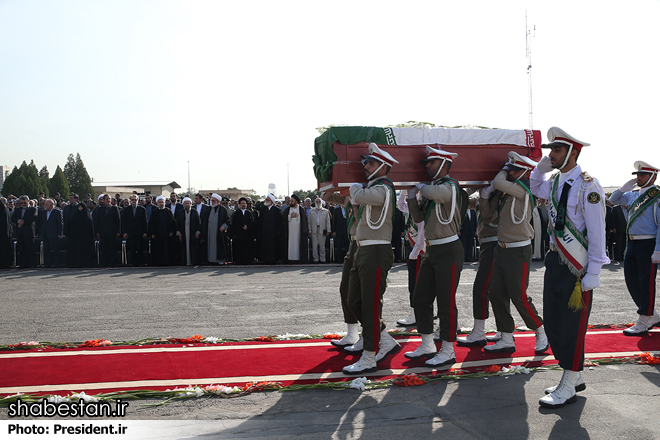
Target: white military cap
[435,153]
[217,197]
[375,153]
[558,136]
[517,162]
[643,167]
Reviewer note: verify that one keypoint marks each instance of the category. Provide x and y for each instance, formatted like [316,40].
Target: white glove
[420,185]
[590,282]
[484,193]
[412,192]
[545,165]
[356,186]
[655,258]
[628,186]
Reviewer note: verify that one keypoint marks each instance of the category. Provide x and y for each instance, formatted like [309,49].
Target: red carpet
[159,367]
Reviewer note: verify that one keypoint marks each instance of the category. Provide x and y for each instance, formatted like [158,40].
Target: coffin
[475,166]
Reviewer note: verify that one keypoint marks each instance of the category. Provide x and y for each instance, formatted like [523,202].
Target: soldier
[441,210]
[373,259]
[513,256]
[640,265]
[487,234]
[577,253]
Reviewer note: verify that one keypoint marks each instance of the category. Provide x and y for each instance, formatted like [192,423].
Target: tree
[44,175]
[24,180]
[77,176]
[59,184]
[311,193]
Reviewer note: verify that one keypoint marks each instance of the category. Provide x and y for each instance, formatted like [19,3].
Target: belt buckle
[502,244]
[630,237]
[426,240]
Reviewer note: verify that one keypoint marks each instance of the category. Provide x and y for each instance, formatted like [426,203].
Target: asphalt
[620,402]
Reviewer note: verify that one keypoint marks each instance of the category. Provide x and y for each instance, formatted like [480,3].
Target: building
[125,189]
[4,172]
[233,194]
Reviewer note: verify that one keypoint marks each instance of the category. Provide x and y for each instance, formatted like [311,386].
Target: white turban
[101,196]
[160,198]
[271,197]
[217,197]
[186,198]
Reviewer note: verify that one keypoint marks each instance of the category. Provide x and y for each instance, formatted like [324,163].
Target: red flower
[264,339]
[493,369]
[191,340]
[409,380]
[648,358]
[331,336]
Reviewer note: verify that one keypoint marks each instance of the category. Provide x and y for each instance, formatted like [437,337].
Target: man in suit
[203,211]
[242,233]
[175,207]
[51,225]
[107,225]
[189,232]
[340,232]
[24,218]
[134,230]
[69,210]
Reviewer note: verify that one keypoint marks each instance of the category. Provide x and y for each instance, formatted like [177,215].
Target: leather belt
[640,237]
[438,241]
[372,242]
[515,244]
[488,239]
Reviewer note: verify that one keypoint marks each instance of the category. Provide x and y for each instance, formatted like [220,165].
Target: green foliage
[44,175]
[24,180]
[59,184]
[77,176]
[303,194]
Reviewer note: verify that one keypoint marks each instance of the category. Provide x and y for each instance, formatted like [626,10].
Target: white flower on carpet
[58,399]
[221,389]
[211,339]
[85,397]
[515,369]
[290,336]
[360,383]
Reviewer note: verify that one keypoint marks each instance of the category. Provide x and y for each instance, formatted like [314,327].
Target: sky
[234,91]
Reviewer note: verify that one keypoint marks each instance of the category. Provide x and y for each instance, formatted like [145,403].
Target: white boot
[366,364]
[564,393]
[541,341]
[504,344]
[444,357]
[351,337]
[640,328]
[654,320]
[476,337]
[436,335]
[579,385]
[355,348]
[494,338]
[410,320]
[387,346]
[425,350]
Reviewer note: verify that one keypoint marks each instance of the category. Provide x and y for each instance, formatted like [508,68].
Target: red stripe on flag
[377,310]
[484,291]
[582,330]
[452,306]
[523,285]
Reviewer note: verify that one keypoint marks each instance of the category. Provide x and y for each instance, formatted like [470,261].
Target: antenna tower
[528,40]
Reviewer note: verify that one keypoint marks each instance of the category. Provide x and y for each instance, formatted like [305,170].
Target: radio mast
[528,40]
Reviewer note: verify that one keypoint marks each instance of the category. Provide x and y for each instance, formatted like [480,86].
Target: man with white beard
[318,224]
[189,231]
[216,228]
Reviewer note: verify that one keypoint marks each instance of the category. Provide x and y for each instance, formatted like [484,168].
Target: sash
[641,203]
[573,246]
[428,205]
[351,219]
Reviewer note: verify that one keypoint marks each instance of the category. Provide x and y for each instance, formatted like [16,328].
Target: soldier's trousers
[509,281]
[366,286]
[480,288]
[413,271]
[640,274]
[349,317]
[564,327]
[438,277]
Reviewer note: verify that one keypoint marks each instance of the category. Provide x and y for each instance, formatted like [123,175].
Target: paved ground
[621,401]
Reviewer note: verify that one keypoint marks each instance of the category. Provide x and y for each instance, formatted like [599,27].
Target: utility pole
[188,177]
[528,40]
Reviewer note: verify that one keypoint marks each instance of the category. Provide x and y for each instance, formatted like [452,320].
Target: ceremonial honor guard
[487,234]
[352,342]
[373,258]
[513,255]
[577,253]
[640,265]
[442,208]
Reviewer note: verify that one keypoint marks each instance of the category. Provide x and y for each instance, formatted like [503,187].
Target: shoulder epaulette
[586,176]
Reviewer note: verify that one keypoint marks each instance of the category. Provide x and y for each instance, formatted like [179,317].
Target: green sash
[641,203]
